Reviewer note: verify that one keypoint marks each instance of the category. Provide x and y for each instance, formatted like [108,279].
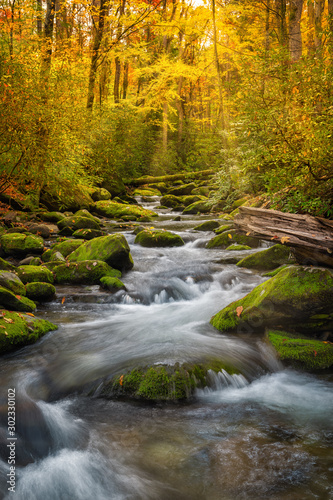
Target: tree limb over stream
[202,174]
[310,237]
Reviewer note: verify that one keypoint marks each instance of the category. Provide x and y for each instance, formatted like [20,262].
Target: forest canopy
[98,90]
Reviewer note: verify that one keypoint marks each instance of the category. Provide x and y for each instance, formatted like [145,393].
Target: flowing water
[266,434]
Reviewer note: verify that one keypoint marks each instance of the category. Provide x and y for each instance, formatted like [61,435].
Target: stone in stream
[13,302]
[86,272]
[301,352]
[208,225]
[11,281]
[115,210]
[158,238]
[68,225]
[297,299]
[112,249]
[21,244]
[64,248]
[224,239]
[29,274]
[268,259]
[39,291]
[201,207]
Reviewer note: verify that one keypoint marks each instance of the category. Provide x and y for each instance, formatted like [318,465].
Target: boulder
[87,234]
[21,244]
[301,352]
[85,213]
[198,207]
[269,259]
[40,291]
[209,225]
[238,248]
[40,229]
[64,248]
[146,192]
[170,201]
[158,238]
[9,300]
[52,216]
[114,210]
[183,190]
[297,299]
[112,284]
[223,240]
[70,224]
[18,330]
[6,266]
[99,194]
[29,274]
[86,272]
[12,282]
[223,228]
[112,249]
[114,185]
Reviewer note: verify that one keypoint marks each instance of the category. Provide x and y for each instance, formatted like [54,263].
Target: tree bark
[295,35]
[318,13]
[116,84]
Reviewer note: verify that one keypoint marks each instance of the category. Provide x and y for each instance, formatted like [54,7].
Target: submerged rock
[112,249]
[297,298]
[21,244]
[158,238]
[301,352]
[266,260]
[18,330]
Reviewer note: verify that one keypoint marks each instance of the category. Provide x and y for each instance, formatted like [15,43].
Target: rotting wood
[310,237]
[167,178]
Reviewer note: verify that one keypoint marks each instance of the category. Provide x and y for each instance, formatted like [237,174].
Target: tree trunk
[39,18]
[125,79]
[217,65]
[311,237]
[295,35]
[165,127]
[95,53]
[116,84]
[318,12]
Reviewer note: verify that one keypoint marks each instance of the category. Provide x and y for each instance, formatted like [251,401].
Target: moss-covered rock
[301,352]
[170,201]
[87,234]
[162,382]
[183,190]
[224,240]
[40,291]
[146,192]
[223,228]
[112,284]
[6,266]
[21,244]
[238,248]
[297,298]
[8,300]
[209,225]
[268,259]
[201,207]
[270,274]
[12,282]
[112,249]
[64,247]
[158,238]
[115,210]
[29,274]
[202,191]
[86,272]
[18,330]
[52,216]
[70,224]
[85,213]
[99,194]
[114,185]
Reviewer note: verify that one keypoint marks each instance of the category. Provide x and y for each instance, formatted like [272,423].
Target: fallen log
[169,178]
[311,238]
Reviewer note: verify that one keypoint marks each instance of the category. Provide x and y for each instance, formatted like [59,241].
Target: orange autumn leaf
[18,297]
[8,320]
[121,380]
[63,300]
[315,353]
[239,310]
[30,314]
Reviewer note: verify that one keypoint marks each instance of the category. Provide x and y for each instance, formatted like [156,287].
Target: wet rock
[224,240]
[21,244]
[209,225]
[86,272]
[10,300]
[29,274]
[40,229]
[70,224]
[301,352]
[158,238]
[40,291]
[223,228]
[238,248]
[18,330]
[6,266]
[198,207]
[182,190]
[112,249]
[266,260]
[296,299]
[112,284]
[12,282]
[87,234]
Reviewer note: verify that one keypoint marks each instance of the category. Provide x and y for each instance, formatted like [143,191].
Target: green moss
[158,238]
[146,192]
[270,274]
[52,216]
[112,284]
[65,247]
[18,330]
[301,352]
[222,229]
[118,210]
[209,225]
[70,224]
[290,298]
[12,282]
[21,244]
[87,234]
[224,239]
[87,272]
[6,266]
[112,249]
[85,213]
[15,302]
[28,274]
[197,207]
[40,291]
[268,259]
[238,247]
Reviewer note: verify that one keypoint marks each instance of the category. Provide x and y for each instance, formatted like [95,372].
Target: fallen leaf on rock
[63,300]
[239,310]
[121,380]
[8,320]
[18,297]
[30,314]
[230,236]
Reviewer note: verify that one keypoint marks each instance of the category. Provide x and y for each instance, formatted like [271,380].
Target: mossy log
[310,237]
[169,178]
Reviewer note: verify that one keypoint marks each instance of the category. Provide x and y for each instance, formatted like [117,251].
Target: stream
[266,434]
